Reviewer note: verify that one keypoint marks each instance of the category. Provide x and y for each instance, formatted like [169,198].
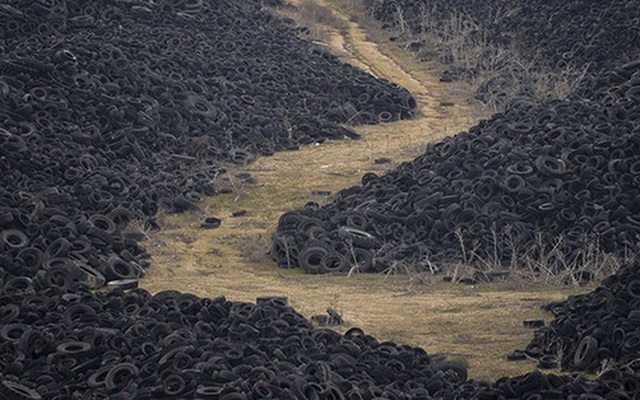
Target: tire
[310,259]
[173,385]
[8,313]
[514,183]
[585,352]
[74,349]
[289,221]
[357,237]
[58,248]
[120,375]
[18,285]
[211,223]
[209,392]
[104,223]
[118,269]
[459,369]
[550,166]
[547,362]
[279,301]
[13,332]
[30,259]
[334,262]
[13,239]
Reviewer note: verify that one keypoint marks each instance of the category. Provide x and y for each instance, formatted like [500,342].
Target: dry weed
[497,72]
[316,21]
[255,248]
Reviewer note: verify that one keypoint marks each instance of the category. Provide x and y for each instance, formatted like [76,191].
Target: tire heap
[505,191]
[535,385]
[596,327]
[568,36]
[69,343]
[110,111]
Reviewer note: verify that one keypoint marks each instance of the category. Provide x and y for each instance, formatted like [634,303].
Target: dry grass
[479,324]
[496,72]
[538,263]
[315,21]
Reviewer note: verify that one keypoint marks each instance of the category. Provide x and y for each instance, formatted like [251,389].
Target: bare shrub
[255,248]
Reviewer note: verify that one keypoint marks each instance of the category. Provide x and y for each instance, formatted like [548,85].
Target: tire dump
[113,112]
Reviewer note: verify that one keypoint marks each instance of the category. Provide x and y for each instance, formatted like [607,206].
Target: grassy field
[479,324]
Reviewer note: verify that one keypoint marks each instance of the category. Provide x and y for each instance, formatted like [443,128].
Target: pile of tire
[595,328]
[111,111]
[66,342]
[614,384]
[542,181]
[577,35]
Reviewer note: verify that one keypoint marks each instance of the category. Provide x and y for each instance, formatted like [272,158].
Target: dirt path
[476,324]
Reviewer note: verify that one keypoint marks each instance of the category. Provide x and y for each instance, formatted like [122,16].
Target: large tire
[311,259]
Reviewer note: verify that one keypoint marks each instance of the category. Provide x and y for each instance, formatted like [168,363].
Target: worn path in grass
[479,324]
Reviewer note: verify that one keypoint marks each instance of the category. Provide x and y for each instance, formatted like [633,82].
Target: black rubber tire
[281,301]
[74,349]
[547,362]
[357,237]
[334,262]
[550,166]
[173,385]
[13,332]
[459,369]
[8,313]
[514,183]
[310,259]
[120,375]
[118,269]
[13,239]
[209,392]
[585,352]
[211,223]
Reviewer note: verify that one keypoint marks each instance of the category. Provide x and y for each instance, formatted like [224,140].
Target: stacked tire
[112,111]
[543,182]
